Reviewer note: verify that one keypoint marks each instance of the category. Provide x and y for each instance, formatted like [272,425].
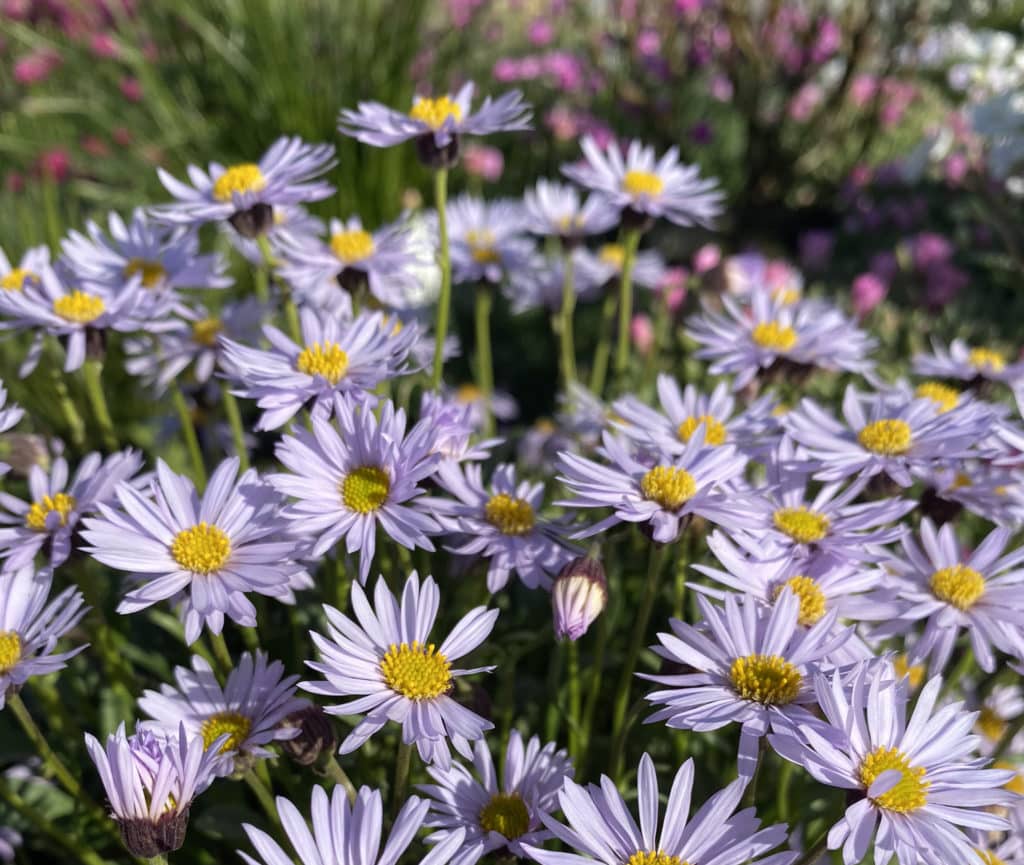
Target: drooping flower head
[387,666]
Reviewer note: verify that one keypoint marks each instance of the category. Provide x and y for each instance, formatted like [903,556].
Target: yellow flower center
[774,336]
[510,516]
[468,393]
[328,360]
[714,429]
[668,486]
[352,246]
[434,112]
[153,272]
[802,524]
[642,183]
[961,480]
[768,679]
[613,254]
[1016,783]
[205,331]
[986,358]
[990,725]
[201,549]
[914,673]
[365,489]
[61,503]
[416,671]
[812,598]
[944,396]
[481,245]
[910,792]
[990,858]
[889,437]
[505,814]
[654,857]
[786,296]
[16,278]
[10,650]
[237,180]
[79,307]
[233,723]
[959,585]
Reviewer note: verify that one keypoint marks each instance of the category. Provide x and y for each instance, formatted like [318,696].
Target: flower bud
[150,838]
[316,735]
[579,595]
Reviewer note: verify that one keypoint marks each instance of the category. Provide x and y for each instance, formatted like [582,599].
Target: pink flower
[721,88]
[566,69]
[708,257]
[14,181]
[562,123]
[506,69]
[804,101]
[930,249]
[104,45]
[462,11]
[540,31]
[131,89]
[122,136]
[829,39]
[36,67]
[484,162]
[641,331]
[955,168]
[863,90]
[689,8]
[648,42]
[55,164]
[673,287]
[867,292]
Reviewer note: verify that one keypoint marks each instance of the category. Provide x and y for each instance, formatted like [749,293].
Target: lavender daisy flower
[27,272]
[290,222]
[766,334]
[245,715]
[354,474]
[436,123]
[753,667]
[346,833]
[452,426]
[501,524]
[666,494]
[637,182]
[161,258]
[962,362]
[554,209]
[151,783]
[387,665]
[601,827]
[1002,705]
[245,194]
[880,435]
[539,283]
[936,583]
[10,416]
[49,519]
[503,405]
[385,261]
[605,265]
[336,357]
[497,817]
[10,841]
[218,547]
[917,778]
[30,627]
[487,239]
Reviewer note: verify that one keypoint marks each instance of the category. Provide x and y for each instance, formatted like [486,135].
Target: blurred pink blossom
[673,287]
[131,89]
[506,69]
[462,11]
[641,331]
[708,257]
[562,123]
[36,67]
[484,162]
[955,168]
[95,146]
[540,31]
[804,101]
[867,292]
[828,41]
[648,42]
[863,89]
[122,136]
[721,88]
[929,249]
[54,164]
[104,45]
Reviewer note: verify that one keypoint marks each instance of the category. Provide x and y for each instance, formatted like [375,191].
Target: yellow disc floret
[328,360]
[958,585]
[989,724]
[481,246]
[352,246]
[944,396]
[79,307]
[434,112]
[888,437]
[509,515]
[654,857]
[365,489]
[505,814]
[767,679]
[812,598]
[802,524]
[714,429]
[643,183]
[58,503]
[416,671]
[987,358]
[15,279]
[206,330]
[613,254]
[233,724]
[153,272]
[774,336]
[909,793]
[10,651]
[237,180]
[670,487]
[201,549]
[903,668]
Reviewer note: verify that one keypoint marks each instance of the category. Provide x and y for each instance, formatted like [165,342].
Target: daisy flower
[246,193]
[387,665]
[216,547]
[601,267]
[753,666]
[30,627]
[1003,704]
[452,426]
[936,583]
[554,209]
[962,362]
[436,123]
[487,239]
[765,334]
[27,272]
[336,357]
[161,258]
[151,782]
[540,283]
[497,817]
[880,435]
[346,833]
[638,182]
[10,416]
[500,523]
[666,494]
[49,519]
[602,828]
[916,780]
[355,473]
[248,710]
[10,841]
[503,405]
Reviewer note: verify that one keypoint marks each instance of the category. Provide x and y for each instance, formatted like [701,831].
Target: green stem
[630,243]
[596,680]
[266,798]
[262,275]
[484,362]
[49,830]
[50,759]
[191,440]
[815,850]
[221,653]
[159,859]
[444,301]
[575,700]
[92,372]
[566,342]
[599,371]
[237,430]
[402,763]
[72,418]
[340,776]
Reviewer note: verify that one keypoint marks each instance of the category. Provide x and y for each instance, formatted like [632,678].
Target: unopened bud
[152,838]
[579,595]
[316,735]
